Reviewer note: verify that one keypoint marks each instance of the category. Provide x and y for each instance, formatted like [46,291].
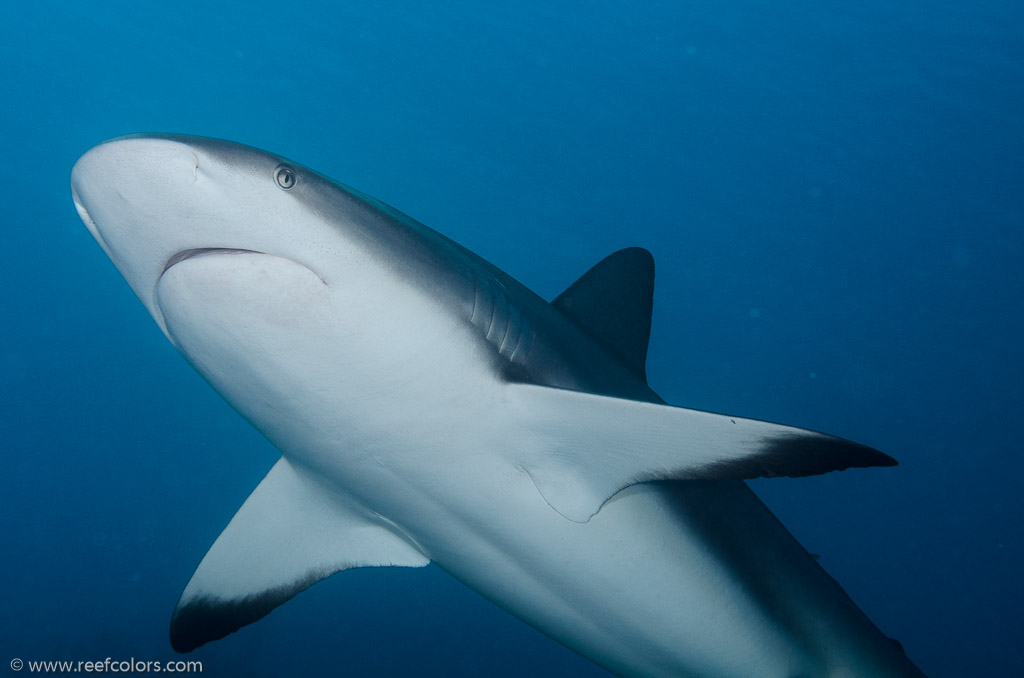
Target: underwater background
[833,193]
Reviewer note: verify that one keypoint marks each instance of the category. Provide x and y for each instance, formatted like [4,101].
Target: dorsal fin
[613,302]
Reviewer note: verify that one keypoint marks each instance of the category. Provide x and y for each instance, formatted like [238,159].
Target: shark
[429,408]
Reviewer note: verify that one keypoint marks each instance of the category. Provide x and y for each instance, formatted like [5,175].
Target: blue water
[833,193]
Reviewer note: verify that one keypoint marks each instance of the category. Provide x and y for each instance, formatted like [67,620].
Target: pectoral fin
[582,448]
[288,535]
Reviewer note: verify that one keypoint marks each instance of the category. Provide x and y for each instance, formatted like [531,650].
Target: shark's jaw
[429,407]
[203,252]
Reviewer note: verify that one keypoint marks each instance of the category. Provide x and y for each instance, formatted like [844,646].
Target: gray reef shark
[430,408]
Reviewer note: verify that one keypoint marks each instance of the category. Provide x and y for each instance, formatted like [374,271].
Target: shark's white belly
[668,579]
[634,588]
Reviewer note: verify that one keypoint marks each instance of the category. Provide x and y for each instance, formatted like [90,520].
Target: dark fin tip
[207,619]
[798,455]
[801,455]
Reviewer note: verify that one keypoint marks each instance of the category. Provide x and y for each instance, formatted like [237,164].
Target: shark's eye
[285,177]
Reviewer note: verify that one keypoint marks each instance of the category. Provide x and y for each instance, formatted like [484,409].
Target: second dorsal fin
[613,302]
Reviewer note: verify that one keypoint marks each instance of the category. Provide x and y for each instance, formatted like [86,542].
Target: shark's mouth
[196,252]
[203,251]
[177,258]
[211,274]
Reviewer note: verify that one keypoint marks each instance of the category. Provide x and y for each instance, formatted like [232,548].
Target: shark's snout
[134,196]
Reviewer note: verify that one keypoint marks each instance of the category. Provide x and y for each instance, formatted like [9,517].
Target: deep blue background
[833,192]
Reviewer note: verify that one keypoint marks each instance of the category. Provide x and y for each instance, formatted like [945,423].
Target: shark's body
[430,408]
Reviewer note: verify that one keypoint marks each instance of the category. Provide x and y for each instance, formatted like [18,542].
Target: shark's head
[155,201]
[265,274]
